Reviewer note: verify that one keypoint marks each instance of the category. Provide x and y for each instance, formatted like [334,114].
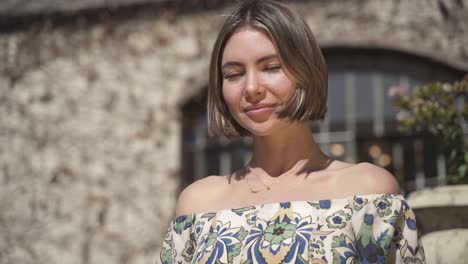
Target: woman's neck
[293,149]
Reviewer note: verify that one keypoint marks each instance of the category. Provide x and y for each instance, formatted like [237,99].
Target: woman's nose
[253,88]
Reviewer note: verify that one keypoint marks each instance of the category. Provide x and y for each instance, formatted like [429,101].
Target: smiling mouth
[259,109]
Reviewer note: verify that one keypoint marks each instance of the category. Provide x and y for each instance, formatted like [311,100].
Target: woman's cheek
[231,97]
[282,87]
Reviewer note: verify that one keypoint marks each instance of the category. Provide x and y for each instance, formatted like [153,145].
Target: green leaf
[453,154]
[462,170]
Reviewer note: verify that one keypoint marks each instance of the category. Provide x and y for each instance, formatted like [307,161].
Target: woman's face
[255,84]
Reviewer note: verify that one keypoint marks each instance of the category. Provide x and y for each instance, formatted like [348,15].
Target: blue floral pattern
[376,228]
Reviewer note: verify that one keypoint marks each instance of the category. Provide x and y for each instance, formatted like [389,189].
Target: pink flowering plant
[440,109]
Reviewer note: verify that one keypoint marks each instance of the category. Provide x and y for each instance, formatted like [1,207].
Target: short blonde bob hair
[299,55]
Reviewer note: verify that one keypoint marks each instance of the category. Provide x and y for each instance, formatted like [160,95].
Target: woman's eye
[273,68]
[230,76]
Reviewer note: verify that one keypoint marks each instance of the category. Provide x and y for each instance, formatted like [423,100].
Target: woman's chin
[264,128]
[259,134]
[262,131]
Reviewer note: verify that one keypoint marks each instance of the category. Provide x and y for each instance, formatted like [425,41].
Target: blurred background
[103,119]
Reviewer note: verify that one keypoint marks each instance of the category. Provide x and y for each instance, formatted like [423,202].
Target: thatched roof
[21,14]
[30,7]
[15,8]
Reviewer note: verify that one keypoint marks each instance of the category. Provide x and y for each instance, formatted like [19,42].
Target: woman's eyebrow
[266,58]
[231,63]
[260,60]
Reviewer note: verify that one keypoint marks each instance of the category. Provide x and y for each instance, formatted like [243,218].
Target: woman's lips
[257,110]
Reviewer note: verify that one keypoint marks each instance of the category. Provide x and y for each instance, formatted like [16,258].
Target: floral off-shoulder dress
[376,228]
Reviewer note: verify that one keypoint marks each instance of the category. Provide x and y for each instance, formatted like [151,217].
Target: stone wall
[89,118]
[89,137]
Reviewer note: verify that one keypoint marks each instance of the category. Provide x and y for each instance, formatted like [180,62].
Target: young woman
[291,203]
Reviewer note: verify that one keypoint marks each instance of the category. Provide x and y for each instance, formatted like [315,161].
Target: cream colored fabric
[377,228]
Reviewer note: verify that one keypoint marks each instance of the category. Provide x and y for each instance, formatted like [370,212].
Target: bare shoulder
[198,196]
[368,178]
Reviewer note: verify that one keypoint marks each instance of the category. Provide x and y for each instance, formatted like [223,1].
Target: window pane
[336,101]
[364,99]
